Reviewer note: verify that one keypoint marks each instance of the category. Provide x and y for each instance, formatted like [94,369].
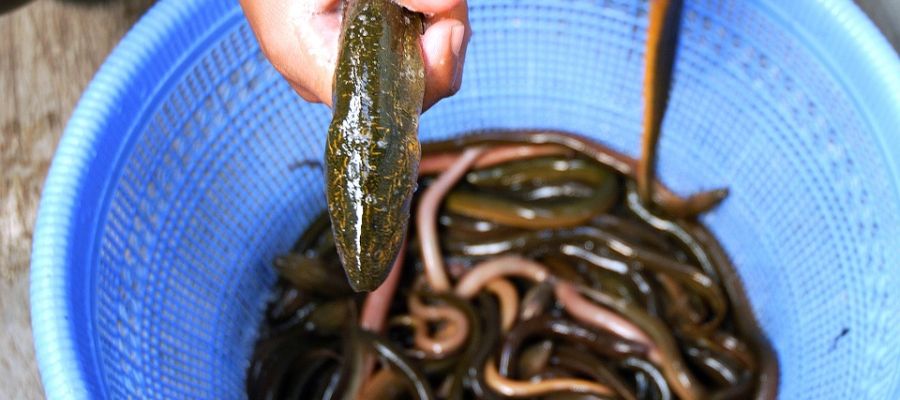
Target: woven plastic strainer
[177,180]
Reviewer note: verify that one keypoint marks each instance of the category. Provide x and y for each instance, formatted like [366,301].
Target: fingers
[300,39]
[444,50]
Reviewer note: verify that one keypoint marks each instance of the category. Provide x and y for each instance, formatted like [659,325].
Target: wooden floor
[885,14]
[49,50]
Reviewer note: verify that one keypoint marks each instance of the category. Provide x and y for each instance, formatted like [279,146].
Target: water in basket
[179,178]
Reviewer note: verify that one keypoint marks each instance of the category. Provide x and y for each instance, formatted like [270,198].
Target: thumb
[444,46]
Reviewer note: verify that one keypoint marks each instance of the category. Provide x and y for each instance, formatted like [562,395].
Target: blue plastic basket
[173,186]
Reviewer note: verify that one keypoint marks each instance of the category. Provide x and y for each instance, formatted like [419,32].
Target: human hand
[300,38]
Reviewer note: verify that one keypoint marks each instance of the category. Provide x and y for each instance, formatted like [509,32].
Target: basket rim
[860,51]
[62,372]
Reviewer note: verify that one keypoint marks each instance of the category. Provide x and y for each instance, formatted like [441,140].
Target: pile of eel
[533,270]
[540,264]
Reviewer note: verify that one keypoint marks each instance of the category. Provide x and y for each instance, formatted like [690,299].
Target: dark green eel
[372,154]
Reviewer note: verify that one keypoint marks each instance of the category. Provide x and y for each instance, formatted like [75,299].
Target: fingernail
[457,34]
[456,84]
